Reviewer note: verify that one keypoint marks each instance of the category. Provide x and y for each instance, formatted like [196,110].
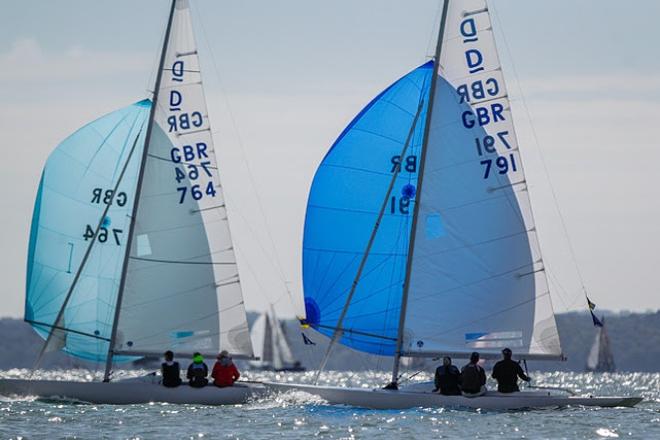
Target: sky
[284,78]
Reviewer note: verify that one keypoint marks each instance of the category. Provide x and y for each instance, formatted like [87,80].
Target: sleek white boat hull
[402,399]
[130,392]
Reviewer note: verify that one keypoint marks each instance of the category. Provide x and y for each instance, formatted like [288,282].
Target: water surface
[296,415]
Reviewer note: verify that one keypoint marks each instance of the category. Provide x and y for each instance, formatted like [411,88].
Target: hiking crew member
[224,371]
[447,378]
[197,372]
[170,371]
[473,378]
[506,372]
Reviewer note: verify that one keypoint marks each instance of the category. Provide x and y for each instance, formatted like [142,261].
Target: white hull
[130,392]
[401,399]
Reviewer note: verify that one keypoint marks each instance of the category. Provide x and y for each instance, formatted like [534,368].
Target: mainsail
[477,279]
[457,253]
[182,286]
[130,251]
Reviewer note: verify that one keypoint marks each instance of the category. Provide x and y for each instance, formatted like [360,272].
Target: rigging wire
[541,154]
[274,255]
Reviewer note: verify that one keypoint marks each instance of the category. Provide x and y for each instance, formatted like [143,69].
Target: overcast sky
[283,78]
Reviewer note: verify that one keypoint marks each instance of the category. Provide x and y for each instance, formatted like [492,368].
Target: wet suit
[197,373]
[447,380]
[507,372]
[171,374]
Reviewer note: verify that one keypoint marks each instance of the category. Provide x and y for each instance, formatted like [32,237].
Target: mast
[420,180]
[145,151]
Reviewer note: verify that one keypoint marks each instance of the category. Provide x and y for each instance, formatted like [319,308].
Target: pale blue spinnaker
[75,188]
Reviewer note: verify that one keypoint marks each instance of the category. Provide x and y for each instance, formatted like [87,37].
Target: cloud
[27,61]
[624,84]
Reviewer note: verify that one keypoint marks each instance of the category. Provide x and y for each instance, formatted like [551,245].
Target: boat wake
[285,399]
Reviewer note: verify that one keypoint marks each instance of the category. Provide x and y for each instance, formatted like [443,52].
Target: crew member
[506,372]
[224,372]
[447,378]
[197,372]
[473,378]
[170,371]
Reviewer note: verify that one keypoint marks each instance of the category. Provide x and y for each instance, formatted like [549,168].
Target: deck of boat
[130,392]
[402,399]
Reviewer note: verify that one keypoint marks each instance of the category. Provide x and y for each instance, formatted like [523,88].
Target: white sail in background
[283,358]
[182,287]
[262,340]
[270,343]
[600,357]
[477,279]
[592,359]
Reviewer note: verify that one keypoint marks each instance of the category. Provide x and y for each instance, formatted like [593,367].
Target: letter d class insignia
[474,60]
[175,100]
[469,30]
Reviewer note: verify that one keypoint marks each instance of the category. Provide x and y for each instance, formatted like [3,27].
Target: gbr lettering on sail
[470,63]
[187,126]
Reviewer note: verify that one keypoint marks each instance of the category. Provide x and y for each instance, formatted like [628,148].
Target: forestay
[182,288]
[477,280]
[344,201]
[76,187]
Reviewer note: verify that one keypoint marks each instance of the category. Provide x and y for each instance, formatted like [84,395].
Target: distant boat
[419,237]
[601,359]
[130,250]
[271,345]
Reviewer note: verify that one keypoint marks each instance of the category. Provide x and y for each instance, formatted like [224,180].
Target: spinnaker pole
[420,180]
[138,188]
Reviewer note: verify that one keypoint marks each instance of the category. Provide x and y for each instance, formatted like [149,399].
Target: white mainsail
[477,279]
[592,359]
[262,340]
[283,357]
[182,289]
[600,357]
[270,343]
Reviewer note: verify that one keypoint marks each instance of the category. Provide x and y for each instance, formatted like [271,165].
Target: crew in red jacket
[224,372]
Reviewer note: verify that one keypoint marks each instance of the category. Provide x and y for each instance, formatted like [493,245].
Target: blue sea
[297,415]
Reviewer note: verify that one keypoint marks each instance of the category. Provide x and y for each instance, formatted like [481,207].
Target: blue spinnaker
[76,186]
[344,201]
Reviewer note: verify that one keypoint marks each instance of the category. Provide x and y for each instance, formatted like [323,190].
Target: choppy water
[300,416]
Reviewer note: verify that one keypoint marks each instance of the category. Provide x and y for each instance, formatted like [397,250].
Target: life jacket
[197,374]
[171,374]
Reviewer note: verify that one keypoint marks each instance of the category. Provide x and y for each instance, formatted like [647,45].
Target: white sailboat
[432,248]
[130,249]
[271,345]
[601,359]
